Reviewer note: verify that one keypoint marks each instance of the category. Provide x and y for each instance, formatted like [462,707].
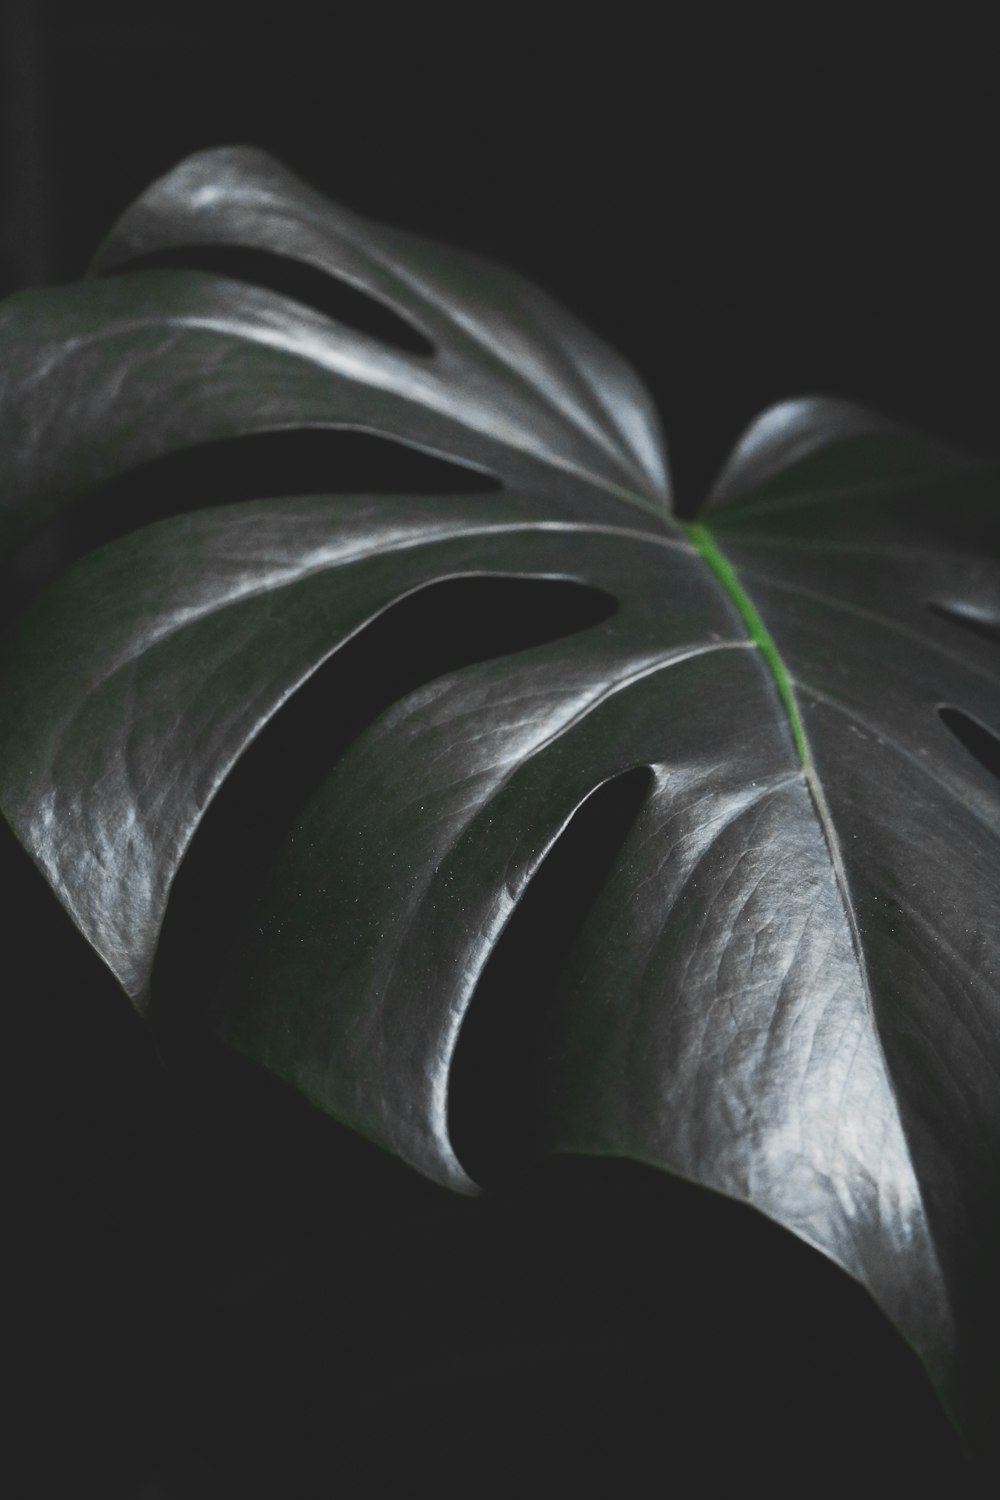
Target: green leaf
[787,988]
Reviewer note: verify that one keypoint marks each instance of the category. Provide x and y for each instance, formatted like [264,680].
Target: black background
[225,1294]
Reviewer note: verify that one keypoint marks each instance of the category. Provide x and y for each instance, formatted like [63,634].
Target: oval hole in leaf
[321,291]
[981,742]
[258,466]
[493,1089]
[978,624]
[437,629]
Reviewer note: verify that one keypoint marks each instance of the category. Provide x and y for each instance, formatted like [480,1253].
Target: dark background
[224,1293]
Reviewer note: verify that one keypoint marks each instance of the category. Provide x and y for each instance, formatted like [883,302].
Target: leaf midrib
[704,543]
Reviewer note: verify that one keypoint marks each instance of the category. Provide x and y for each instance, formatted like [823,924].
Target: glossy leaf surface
[788,988]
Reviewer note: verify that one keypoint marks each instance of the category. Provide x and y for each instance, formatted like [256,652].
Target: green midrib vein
[701,538]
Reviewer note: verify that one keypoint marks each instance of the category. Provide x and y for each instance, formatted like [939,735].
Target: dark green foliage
[776,729]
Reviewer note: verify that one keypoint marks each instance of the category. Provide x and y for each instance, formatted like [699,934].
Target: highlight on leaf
[328,295]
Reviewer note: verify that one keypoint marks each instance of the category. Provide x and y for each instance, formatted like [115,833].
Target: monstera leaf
[788,986]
